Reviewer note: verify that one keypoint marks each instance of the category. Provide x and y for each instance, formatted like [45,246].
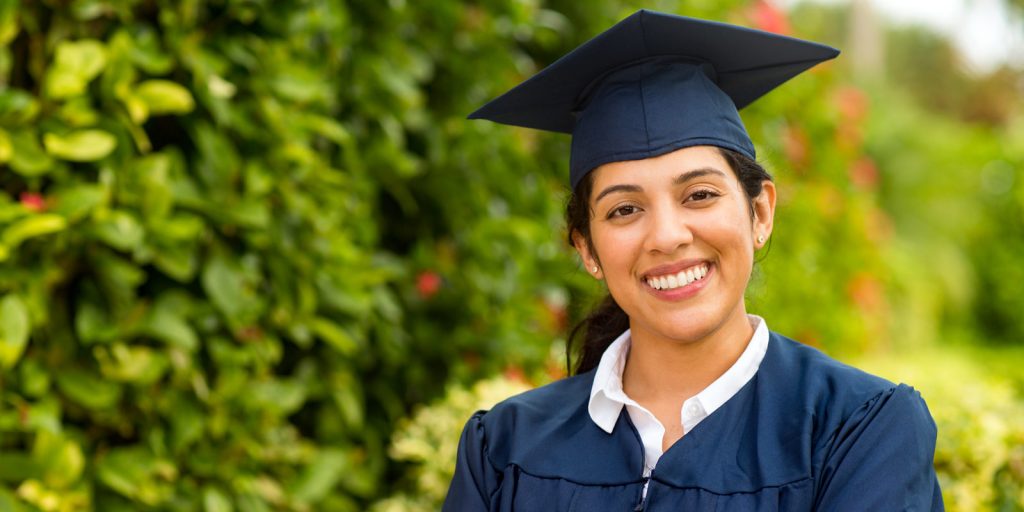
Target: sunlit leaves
[75,64]
[14,330]
[81,145]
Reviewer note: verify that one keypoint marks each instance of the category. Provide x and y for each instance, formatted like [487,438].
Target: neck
[661,368]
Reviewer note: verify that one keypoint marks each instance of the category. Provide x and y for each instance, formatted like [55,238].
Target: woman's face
[674,239]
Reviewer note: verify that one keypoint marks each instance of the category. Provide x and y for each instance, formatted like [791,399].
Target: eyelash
[708,194]
[615,212]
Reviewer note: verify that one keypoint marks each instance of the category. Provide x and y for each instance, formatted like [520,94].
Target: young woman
[682,400]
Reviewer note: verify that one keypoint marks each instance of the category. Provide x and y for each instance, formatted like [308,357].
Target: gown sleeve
[882,458]
[475,477]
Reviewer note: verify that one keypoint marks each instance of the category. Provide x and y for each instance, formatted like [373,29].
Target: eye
[623,211]
[702,195]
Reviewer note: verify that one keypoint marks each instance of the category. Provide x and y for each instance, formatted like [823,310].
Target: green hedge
[226,271]
[241,239]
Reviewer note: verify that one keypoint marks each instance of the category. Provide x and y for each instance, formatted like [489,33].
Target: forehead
[661,169]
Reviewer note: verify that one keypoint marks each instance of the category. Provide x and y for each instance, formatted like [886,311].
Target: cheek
[616,247]
[728,234]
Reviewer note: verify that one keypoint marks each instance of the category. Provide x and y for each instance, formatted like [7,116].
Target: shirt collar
[607,397]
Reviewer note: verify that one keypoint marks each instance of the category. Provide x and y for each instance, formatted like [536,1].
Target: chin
[683,326]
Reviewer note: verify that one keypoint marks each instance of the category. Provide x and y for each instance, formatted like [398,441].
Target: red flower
[515,374]
[770,18]
[864,173]
[427,284]
[852,103]
[33,201]
[796,145]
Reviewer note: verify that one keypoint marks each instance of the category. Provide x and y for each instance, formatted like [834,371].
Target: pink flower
[428,283]
[33,201]
[770,18]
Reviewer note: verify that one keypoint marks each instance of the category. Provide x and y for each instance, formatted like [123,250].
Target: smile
[680,279]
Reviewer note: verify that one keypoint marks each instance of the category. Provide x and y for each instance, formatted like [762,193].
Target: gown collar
[607,397]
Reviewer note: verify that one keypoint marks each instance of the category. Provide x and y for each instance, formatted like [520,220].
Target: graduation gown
[805,433]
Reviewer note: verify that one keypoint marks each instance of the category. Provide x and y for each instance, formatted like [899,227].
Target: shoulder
[816,372]
[541,408]
[827,390]
[547,432]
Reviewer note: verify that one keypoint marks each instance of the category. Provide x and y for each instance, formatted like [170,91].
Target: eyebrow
[678,180]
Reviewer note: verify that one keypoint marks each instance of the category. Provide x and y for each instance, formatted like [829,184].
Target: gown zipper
[642,502]
[643,496]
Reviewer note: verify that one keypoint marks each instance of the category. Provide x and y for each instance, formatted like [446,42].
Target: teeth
[677,280]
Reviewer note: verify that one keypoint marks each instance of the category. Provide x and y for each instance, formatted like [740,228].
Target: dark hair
[607,321]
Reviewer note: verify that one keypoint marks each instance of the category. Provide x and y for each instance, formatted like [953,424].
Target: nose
[668,230]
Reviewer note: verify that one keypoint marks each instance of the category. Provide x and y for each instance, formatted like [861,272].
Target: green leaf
[35,378]
[187,424]
[146,53]
[165,97]
[60,459]
[92,324]
[334,335]
[231,291]
[28,157]
[6,149]
[17,107]
[80,145]
[167,323]
[321,475]
[32,226]
[281,396]
[76,202]
[88,390]
[76,63]
[215,500]
[8,22]
[120,230]
[138,365]
[348,396]
[14,330]
[137,474]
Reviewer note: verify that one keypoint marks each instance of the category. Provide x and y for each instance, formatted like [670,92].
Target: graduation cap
[652,84]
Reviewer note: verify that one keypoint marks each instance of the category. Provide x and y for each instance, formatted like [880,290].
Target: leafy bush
[428,442]
[225,270]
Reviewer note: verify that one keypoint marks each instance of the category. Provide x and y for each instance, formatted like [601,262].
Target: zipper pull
[643,496]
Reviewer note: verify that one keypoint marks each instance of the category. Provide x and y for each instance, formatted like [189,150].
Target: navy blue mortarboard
[654,83]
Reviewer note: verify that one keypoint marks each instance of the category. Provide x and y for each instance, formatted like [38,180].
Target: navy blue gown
[806,433]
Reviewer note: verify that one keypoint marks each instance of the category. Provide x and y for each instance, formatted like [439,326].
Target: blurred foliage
[429,441]
[241,240]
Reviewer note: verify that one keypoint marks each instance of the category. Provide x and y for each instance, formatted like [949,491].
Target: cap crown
[645,87]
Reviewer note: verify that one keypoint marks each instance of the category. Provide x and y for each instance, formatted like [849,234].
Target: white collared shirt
[607,397]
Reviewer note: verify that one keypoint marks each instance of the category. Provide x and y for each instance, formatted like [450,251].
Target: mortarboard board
[654,83]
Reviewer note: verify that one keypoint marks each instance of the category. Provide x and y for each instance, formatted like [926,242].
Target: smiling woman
[681,399]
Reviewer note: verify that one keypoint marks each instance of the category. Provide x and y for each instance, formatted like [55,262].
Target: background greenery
[242,241]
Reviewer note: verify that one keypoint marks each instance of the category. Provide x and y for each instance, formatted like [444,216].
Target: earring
[760,239]
[594,269]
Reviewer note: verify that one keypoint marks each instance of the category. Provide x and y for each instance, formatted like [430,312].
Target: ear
[586,256]
[764,213]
